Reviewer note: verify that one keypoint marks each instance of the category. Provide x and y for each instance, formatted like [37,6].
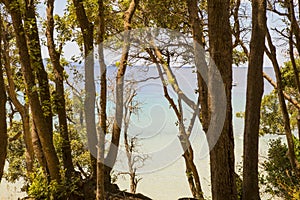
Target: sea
[160,166]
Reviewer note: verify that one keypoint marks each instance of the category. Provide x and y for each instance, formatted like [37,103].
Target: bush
[280,180]
[40,188]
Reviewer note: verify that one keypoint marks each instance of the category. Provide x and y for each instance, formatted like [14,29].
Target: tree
[87,31]
[294,30]
[103,101]
[42,126]
[253,103]
[23,108]
[135,159]
[290,34]
[34,50]
[184,133]
[271,115]
[3,127]
[118,118]
[59,92]
[222,153]
[271,52]
[199,46]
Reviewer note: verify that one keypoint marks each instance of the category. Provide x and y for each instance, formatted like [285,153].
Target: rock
[125,195]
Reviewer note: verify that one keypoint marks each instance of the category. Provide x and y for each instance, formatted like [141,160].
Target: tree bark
[22,109]
[59,92]
[42,125]
[113,149]
[286,119]
[100,192]
[37,147]
[87,30]
[201,65]
[294,24]
[296,74]
[188,153]
[255,87]
[3,125]
[29,153]
[34,47]
[128,143]
[222,153]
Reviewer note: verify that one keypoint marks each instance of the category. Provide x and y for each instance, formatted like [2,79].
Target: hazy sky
[71,48]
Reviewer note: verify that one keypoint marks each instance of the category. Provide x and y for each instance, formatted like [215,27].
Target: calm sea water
[169,182]
[163,173]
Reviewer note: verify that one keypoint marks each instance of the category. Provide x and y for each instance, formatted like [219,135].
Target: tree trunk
[113,149]
[222,153]
[59,92]
[296,74]
[129,146]
[3,126]
[100,192]
[133,182]
[29,154]
[42,125]
[87,30]
[201,65]
[37,148]
[32,32]
[286,119]
[295,30]
[188,154]
[22,109]
[253,102]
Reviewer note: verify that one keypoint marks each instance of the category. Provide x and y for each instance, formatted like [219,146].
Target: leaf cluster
[279,179]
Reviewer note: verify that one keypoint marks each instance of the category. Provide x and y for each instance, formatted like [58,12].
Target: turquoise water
[167,179]
[163,175]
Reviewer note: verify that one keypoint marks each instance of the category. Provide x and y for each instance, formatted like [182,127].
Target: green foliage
[80,154]
[15,153]
[271,121]
[271,116]
[40,187]
[239,57]
[238,180]
[288,74]
[174,17]
[280,180]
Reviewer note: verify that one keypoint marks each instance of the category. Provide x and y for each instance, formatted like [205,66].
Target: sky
[71,48]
